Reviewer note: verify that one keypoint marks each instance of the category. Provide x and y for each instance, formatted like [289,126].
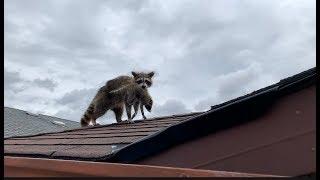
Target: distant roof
[20,123]
[127,143]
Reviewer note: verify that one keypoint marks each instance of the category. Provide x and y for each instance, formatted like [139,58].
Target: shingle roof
[19,123]
[226,115]
[127,143]
[89,143]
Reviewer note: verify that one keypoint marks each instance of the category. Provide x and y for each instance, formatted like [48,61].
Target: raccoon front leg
[128,109]
[142,112]
[118,111]
[136,108]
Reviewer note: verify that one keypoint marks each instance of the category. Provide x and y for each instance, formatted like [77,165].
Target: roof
[226,115]
[89,143]
[128,143]
[19,123]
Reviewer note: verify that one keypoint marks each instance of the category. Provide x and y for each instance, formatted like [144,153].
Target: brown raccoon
[144,80]
[127,95]
[141,78]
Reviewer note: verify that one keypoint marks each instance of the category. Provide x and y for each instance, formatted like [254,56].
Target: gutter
[36,167]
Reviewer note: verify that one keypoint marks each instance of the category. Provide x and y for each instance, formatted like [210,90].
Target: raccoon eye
[148,83]
[139,81]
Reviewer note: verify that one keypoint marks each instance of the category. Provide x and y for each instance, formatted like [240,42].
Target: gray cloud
[19,91]
[82,96]
[75,103]
[45,83]
[206,104]
[235,84]
[172,106]
[204,52]
[15,82]
[11,80]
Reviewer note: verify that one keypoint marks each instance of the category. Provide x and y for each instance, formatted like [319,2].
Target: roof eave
[35,167]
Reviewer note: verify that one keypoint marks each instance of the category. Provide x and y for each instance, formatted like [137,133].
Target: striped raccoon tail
[86,118]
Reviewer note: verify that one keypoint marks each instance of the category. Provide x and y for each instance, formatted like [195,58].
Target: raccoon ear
[151,74]
[134,74]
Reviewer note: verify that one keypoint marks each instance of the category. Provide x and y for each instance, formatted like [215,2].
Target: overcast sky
[57,53]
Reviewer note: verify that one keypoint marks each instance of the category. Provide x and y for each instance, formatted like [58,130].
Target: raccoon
[142,79]
[104,101]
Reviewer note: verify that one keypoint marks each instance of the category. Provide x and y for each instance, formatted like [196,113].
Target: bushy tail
[86,118]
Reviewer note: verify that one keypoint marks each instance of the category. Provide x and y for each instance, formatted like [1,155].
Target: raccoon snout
[144,87]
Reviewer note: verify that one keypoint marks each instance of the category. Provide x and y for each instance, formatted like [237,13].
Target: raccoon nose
[143,86]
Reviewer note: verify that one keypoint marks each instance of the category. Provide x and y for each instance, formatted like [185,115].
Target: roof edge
[38,167]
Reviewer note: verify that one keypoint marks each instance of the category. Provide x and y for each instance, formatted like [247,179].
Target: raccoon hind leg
[99,111]
[118,111]
[128,109]
[87,117]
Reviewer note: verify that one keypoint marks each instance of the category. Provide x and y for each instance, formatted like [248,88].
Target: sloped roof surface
[21,123]
[226,115]
[89,143]
[127,143]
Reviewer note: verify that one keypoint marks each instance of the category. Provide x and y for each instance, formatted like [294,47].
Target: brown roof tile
[81,141]
[89,142]
[83,151]
[84,136]
[33,149]
[108,131]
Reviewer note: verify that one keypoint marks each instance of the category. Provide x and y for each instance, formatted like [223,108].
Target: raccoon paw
[129,121]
